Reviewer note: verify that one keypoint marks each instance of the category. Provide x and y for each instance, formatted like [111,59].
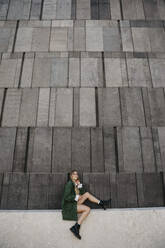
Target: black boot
[102,203]
[75,230]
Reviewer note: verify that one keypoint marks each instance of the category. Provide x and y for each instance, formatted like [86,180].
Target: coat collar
[72,181]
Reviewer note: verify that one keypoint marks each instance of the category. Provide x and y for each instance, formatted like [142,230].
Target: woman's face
[74,175]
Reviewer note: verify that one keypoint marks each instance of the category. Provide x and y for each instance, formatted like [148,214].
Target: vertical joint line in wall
[121,9]
[78,106]
[163,23]
[49,36]
[73,100]
[97,108]
[79,57]
[32,78]
[133,46]
[153,146]
[51,169]
[42,5]
[55,106]
[37,108]
[50,91]
[15,36]
[90,149]
[28,189]
[3,105]
[15,143]
[21,69]
[103,147]
[116,149]
[1,191]
[103,66]
[120,105]
[30,9]
[121,44]
[109,6]
[137,190]
[8,9]
[71,158]
[163,92]
[27,149]
[144,9]
[149,68]
[141,149]
[163,186]
[68,70]
[126,65]
[73,47]
[98,4]
[85,30]
[143,106]
[75,9]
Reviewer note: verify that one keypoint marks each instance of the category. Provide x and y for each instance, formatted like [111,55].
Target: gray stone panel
[150,189]
[38,191]
[97,150]
[109,107]
[12,108]
[43,107]
[20,150]
[109,148]
[15,191]
[81,149]
[87,107]
[147,149]
[157,66]
[126,190]
[157,106]
[129,149]
[132,107]
[7,144]
[19,9]
[138,72]
[61,154]
[10,70]
[64,107]
[39,156]
[28,109]
[7,31]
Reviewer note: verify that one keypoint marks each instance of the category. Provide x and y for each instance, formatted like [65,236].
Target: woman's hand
[80,196]
[77,181]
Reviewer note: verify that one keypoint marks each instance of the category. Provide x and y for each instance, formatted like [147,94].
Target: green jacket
[69,204]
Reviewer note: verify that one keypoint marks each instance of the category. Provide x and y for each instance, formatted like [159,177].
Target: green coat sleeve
[68,195]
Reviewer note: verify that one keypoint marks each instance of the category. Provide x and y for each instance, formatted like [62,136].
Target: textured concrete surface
[126,228]
[82,85]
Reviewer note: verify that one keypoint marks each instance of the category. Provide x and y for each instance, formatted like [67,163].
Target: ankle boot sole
[74,232]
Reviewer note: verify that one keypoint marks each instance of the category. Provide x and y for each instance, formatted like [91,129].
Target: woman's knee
[88,210]
[86,193]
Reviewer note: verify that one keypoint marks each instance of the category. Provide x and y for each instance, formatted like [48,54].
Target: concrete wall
[113,228]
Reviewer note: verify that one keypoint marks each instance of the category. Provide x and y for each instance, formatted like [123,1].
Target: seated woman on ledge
[72,202]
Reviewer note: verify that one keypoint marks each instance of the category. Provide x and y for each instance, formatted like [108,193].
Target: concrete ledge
[113,228]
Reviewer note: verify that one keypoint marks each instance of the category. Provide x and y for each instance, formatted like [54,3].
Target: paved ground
[142,227]
[82,85]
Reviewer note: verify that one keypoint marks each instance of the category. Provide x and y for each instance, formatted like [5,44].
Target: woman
[72,202]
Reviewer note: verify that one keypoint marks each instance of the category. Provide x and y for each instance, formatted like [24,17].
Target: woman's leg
[85,210]
[81,208]
[88,196]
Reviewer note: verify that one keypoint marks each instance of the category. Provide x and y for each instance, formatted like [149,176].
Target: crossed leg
[82,208]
